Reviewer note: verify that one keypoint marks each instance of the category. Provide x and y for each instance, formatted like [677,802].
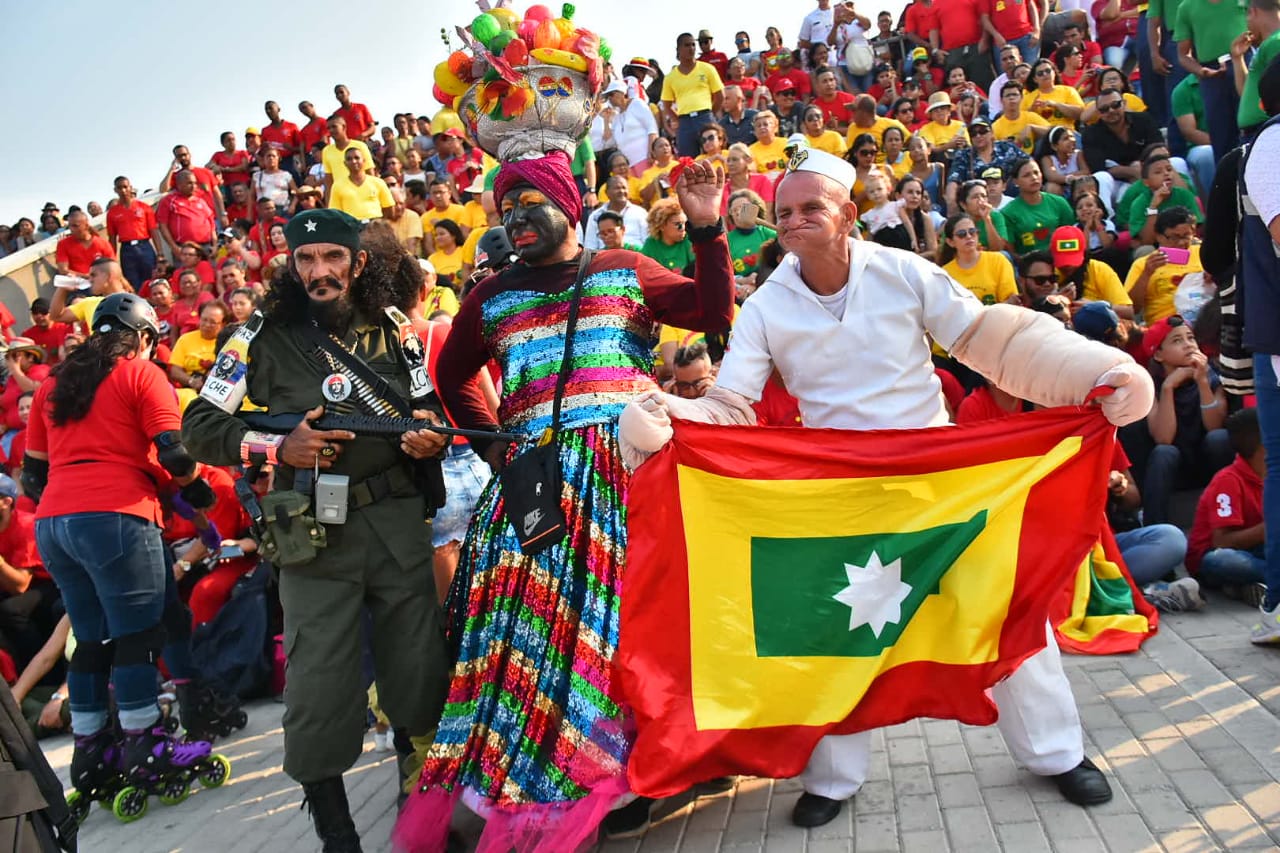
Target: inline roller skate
[206,713]
[96,776]
[155,762]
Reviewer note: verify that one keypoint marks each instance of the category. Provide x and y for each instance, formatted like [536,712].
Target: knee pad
[140,648]
[92,657]
[176,621]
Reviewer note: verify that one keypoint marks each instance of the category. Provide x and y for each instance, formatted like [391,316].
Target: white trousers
[1038,719]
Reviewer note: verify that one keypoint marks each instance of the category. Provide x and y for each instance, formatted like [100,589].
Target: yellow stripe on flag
[960,625]
[1082,627]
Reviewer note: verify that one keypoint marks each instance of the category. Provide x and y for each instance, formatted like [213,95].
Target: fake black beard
[333,315]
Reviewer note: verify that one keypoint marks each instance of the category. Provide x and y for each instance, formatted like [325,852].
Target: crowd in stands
[1056,158]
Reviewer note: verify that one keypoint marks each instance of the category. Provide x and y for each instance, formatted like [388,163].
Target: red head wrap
[550,175]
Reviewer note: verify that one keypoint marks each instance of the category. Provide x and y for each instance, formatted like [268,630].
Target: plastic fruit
[485,27]
[525,29]
[516,53]
[561,58]
[547,35]
[538,12]
[441,96]
[566,28]
[605,51]
[507,18]
[448,81]
[499,43]
[460,65]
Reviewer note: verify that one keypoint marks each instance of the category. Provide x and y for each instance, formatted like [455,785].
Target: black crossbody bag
[531,482]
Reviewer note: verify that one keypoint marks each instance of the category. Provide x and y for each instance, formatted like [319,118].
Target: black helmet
[121,311]
[493,250]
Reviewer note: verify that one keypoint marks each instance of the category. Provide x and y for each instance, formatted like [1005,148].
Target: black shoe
[1085,785]
[631,820]
[813,810]
[327,803]
[718,785]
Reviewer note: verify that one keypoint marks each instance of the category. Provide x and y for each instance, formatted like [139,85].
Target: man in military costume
[343,301]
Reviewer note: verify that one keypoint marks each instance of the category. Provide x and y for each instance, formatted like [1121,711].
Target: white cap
[615,86]
[476,185]
[813,160]
[797,140]
[427,266]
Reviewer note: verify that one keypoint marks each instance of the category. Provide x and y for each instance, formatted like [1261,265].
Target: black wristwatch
[706,232]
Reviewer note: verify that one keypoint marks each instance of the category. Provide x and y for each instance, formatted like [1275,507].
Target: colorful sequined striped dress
[533,735]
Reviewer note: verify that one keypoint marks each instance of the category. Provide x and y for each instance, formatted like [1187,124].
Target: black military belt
[393,482]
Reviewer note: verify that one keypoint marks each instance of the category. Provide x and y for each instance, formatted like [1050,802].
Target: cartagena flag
[784,584]
[1101,611]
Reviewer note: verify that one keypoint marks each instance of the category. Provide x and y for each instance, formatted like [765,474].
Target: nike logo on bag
[531,520]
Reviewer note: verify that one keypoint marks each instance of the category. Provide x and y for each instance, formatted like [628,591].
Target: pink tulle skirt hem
[569,827]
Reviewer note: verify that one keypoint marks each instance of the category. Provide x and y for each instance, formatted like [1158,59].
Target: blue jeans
[1203,167]
[1168,467]
[1264,379]
[1221,104]
[1030,52]
[1152,552]
[687,134]
[137,260]
[1230,567]
[110,567]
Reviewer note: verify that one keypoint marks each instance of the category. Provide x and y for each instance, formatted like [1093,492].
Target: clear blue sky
[98,89]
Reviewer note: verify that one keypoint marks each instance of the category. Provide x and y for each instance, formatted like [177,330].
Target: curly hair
[661,213]
[391,276]
[84,369]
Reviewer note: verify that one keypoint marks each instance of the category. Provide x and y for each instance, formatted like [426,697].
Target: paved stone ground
[1188,729]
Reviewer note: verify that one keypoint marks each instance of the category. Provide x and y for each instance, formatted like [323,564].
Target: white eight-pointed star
[875,593]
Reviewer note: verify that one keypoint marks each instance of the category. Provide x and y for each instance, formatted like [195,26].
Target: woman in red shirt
[103,430]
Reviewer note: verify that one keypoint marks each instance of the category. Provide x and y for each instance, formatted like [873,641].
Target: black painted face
[537,227]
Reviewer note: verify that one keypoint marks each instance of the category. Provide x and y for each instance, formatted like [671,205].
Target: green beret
[325,225]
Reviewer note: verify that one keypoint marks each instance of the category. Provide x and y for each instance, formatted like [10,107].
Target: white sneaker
[1267,630]
[382,741]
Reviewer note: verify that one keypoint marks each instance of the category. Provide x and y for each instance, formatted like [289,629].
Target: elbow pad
[172,454]
[35,476]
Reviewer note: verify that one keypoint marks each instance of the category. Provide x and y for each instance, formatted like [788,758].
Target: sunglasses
[979,130]
[1044,72]
[711,137]
[867,152]
[964,233]
[1111,107]
[1042,279]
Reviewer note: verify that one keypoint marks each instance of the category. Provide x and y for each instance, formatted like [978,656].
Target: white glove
[644,428]
[1133,397]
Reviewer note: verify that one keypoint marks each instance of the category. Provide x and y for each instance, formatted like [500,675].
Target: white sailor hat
[813,160]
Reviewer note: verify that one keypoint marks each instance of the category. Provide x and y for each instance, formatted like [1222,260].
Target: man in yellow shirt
[865,120]
[105,278]
[362,195]
[942,131]
[1021,127]
[691,92]
[333,157]
[768,152]
[1092,280]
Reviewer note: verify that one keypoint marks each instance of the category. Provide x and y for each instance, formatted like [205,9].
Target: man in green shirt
[1158,193]
[1204,31]
[1188,112]
[1263,20]
[1161,71]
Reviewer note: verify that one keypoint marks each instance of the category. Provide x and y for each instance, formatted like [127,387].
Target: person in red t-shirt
[1012,21]
[133,232]
[206,182]
[242,206]
[283,136]
[78,250]
[184,314]
[1074,33]
[27,593]
[184,215]
[360,123]
[231,165]
[714,58]
[45,332]
[836,106]
[958,39]
[25,362]
[206,596]
[919,20]
[1228,535]
[788,76]
[103,432]
[314,132]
